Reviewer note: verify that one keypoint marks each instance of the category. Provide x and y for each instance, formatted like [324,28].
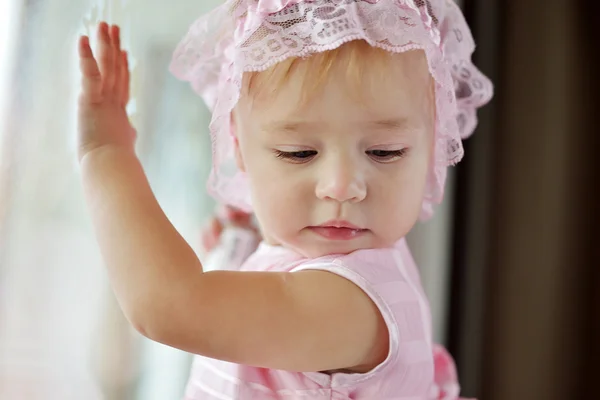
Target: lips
[338,230]
[339,223]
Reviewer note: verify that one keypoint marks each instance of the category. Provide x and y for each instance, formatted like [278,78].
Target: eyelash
[388,155]
[306,155]
[303,155]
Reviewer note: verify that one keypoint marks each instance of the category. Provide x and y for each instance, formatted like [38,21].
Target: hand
[102,119]
[212,232]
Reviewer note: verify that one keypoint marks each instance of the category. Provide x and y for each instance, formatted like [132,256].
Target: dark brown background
[525,292]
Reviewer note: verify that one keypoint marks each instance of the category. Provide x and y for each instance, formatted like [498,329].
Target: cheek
[271,179]
[278,208]
[411,177]
[267,178]
[279,195]
[401,198]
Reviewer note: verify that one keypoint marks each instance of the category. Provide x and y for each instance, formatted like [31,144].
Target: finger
[216,228]
[211,235]
[230,212]
[240,219]
[115,36]
[106,56]
[91,77]
[208,241]
[233,213]
[126,78]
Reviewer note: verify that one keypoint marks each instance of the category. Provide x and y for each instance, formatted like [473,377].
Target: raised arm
[308,321]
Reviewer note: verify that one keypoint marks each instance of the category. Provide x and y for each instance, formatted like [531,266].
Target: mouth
[338,230]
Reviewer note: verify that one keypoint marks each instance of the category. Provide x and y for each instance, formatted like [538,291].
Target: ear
[239,160]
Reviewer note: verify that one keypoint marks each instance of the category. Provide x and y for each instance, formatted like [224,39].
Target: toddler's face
[345,170]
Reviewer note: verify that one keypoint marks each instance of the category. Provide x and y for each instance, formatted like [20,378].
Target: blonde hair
[314,70]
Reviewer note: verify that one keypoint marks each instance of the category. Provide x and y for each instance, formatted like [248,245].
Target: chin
[310,245]
[320,248]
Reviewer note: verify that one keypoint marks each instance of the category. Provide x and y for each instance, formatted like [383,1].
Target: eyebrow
[389,124]
[290,126]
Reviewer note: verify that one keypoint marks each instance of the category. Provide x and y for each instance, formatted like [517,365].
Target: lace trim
[219,49]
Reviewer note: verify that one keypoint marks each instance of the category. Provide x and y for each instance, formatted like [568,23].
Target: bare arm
[308,321]
[305,321]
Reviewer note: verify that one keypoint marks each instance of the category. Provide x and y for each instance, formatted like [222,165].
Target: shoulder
[385,276]
[272,258]
[381,273]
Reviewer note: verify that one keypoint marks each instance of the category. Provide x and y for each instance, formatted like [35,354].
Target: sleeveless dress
[415,368]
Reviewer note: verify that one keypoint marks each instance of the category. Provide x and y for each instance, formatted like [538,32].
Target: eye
[296,156]
[387,155]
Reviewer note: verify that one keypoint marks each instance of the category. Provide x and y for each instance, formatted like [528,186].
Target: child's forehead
[356,69]
[360,128]
[378,87]
[356,61]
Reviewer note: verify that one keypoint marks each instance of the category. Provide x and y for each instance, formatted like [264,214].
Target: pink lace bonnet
[253,35]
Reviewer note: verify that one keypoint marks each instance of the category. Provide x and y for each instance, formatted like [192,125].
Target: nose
[341,179]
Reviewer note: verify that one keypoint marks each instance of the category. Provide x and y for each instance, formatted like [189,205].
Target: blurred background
[510,261]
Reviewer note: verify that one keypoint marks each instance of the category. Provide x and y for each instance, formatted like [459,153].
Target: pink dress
[415,368]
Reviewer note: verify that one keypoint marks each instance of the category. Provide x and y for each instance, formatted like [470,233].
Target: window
[8,18]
